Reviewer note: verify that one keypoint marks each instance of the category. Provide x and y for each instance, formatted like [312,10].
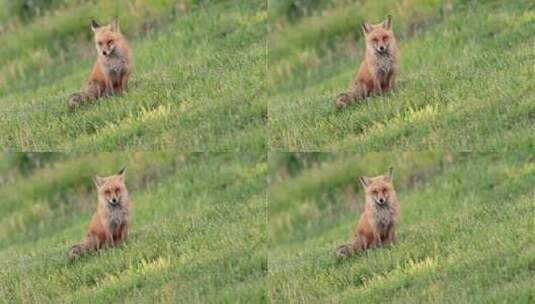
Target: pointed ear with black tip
[94,25]
[97,180]
[115,24]
[366,28]
[387,24]
[364,181]
[389,177]
[122,173]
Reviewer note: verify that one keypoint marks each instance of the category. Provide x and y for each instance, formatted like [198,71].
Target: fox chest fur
[383,217]
[383,65]
[116,217]
[115,67]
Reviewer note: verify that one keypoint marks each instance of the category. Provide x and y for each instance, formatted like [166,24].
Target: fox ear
[390,175]
[97,180]
[387,24]
[364,181]
[94,25]
[115,24]
[122,173]
[366,28]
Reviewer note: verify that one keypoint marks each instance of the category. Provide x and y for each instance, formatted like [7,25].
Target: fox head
[106,37]
[112,189]
[380,189]
[379,37]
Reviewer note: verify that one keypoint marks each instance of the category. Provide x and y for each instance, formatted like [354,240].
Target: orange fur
[376,226]
[109,224]
[377,73]
[112,68]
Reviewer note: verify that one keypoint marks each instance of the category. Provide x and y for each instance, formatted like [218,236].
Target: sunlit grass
[197,84]
[464,233]
[464,79]
[191,238]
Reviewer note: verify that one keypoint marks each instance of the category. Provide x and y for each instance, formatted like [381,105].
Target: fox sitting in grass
[377,73]
[377,225]
[111,69]
[109,225]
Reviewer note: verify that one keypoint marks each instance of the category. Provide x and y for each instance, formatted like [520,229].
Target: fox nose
[382,48]
[381,200]
[104,53]
[114,200]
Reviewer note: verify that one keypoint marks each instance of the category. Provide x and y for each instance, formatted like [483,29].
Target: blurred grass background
[199,73]
[465,233]
[464,81]
[198,231]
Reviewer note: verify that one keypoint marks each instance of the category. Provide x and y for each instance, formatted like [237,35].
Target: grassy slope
[199,70]
[465,236]
[192,239]
[465,80]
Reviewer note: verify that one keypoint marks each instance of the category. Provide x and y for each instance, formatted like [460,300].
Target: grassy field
[198,231]
[465,80]
[466,233]
[198,81]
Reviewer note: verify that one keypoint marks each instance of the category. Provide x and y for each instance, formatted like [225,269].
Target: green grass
[465,234]
[225,89]
[464,81]
[198,232]
[199,75]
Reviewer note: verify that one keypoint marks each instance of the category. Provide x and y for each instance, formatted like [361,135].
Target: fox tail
[89,244]
[347,250]
[356,93]
[90,93]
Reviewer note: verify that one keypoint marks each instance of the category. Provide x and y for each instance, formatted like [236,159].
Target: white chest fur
[383,65]
[383,218]
[115,66]
[117,216]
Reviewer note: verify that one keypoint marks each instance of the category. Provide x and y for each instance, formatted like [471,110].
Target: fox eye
[117,190]
[107,192]
[100,43]
[374,40]
[374,192]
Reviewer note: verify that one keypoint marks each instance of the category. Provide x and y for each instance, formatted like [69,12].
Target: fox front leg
[377,89]
[109,242]
[123,235]
[392,81]
[377,240]
[109,87]
[391,237]
[124,81]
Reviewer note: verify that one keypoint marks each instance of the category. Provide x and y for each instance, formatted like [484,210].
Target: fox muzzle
[114,202]
[380,201]
[382,49]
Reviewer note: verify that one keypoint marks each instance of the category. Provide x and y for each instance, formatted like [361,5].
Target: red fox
[109,225]
[377,73]
[377,224]
[111,69]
